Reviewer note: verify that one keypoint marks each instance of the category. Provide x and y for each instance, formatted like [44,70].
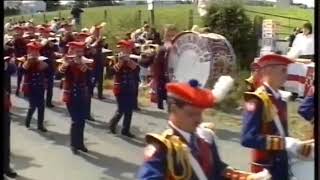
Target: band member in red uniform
[20,50]
[34,84]
[160,65]
[95,41]
[49,50]
[9,70]
[75,92]
[124,84]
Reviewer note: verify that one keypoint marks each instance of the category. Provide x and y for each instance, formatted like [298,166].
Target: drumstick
[309,141]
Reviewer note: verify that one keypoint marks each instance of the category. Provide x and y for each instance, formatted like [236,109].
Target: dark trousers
[19,79]
[126,121]
[36,101]
[125,107]
[98,81]
[6,141]
[162,95]
[49,90]
[78,110]
[77,125]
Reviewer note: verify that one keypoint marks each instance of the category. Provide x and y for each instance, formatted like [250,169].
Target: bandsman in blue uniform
[306,109]
[75,92]
[9,70]
[123,89]
[34,83]
[187,150]
[265,125]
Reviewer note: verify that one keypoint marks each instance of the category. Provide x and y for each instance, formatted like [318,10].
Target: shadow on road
[98,124]
[60,110]
[227,135]
[106,100]
[22,162]
[155,114]
[56,137]
[113,166]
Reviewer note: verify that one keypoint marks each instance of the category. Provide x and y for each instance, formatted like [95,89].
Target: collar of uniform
[183,133]
[275,93]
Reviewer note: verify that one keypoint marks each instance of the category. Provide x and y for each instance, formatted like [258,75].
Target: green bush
[229,19]
[11,11]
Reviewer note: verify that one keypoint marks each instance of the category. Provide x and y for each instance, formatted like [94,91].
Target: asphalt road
[47,156]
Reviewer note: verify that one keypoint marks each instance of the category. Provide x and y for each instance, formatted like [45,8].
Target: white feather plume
[222,87]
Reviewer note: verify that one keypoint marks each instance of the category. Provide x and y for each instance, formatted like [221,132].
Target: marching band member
[9,70]
[265,126]
[34,83]
[306,108]
[20,50]
[75,92]
[96,41]
[188,150]
[49,50]
[160,64]
[141,35]
[124,88]
[90,79]
[253,81]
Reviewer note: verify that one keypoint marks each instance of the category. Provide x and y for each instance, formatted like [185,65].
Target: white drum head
[204,57]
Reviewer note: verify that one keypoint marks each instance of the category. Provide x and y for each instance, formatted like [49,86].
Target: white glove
[292,146]
[263,175]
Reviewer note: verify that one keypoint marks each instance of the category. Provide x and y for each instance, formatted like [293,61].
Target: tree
[229,19]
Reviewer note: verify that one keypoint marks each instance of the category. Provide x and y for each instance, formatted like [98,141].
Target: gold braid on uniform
[273,142]
[176,154]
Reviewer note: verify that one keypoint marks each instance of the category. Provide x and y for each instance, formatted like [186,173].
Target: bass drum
[302,170]
[204,57]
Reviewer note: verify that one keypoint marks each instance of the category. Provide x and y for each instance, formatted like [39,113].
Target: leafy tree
[229,19]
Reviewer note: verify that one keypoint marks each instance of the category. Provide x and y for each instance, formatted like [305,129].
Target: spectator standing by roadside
[76,13]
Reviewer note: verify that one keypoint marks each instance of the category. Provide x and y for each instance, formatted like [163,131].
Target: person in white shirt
[8,25]
[303,45]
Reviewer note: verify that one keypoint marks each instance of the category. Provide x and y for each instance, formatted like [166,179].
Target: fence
[285,28]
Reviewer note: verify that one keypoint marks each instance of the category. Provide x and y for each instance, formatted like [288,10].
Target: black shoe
[17,93]
[42,129]
[113,130]
[27,124]
[90,118]
[11,173]
[137,109]
[74,150]
[50,106]
[128,134]
[83,149]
